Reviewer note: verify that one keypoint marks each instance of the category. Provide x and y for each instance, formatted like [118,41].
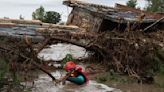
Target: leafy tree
[132,3]
[38,14]
[155,6]
[48,17]
[52,17]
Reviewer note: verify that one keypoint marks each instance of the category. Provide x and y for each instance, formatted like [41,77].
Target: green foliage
[47,17]
[159,78]
[132,3]
[159,59]
[68,58]
[110,76]
[155,6]
[52,17]
[101,79]
[39,14]
[9,78]
[4,69]
[156,66]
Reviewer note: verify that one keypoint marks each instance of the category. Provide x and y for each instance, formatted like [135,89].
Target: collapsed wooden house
[93,17]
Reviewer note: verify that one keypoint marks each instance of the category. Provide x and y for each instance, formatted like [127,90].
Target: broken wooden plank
[153,24]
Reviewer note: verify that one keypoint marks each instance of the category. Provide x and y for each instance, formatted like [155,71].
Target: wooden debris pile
[134,53]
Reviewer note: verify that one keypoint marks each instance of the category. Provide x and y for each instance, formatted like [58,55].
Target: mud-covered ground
[100,81]
[126,84]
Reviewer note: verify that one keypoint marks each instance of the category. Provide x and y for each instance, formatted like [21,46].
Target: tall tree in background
[155,6]
[132,3]
[52,17]
[38,14]
[47,17]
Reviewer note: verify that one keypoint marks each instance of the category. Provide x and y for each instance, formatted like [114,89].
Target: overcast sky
[15,8]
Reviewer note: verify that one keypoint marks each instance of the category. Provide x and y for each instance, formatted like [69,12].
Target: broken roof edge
[155,15]
[129,20]
[102,11]
[73,3]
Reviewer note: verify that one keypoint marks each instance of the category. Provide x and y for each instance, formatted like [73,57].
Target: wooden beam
[153,24]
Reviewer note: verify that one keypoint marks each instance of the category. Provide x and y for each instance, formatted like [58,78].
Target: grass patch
[10,79]
[159,78]
[111,76]
[4,71]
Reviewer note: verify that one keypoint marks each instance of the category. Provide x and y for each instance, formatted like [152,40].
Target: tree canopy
[132,3]
[39,14]
[47,17]
[52,17]
[155,6]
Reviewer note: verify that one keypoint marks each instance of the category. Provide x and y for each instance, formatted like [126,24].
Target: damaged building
[93,17]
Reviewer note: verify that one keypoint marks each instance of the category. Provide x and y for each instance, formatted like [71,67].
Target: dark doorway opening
[107,25]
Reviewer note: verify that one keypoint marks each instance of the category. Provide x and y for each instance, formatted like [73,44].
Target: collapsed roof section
[120,14]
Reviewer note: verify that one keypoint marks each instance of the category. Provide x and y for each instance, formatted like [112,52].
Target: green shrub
[4,70]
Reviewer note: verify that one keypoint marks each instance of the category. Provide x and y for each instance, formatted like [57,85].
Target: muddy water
[57,52]
[44,84]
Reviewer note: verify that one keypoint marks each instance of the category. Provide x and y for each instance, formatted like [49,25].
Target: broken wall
[84,19]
